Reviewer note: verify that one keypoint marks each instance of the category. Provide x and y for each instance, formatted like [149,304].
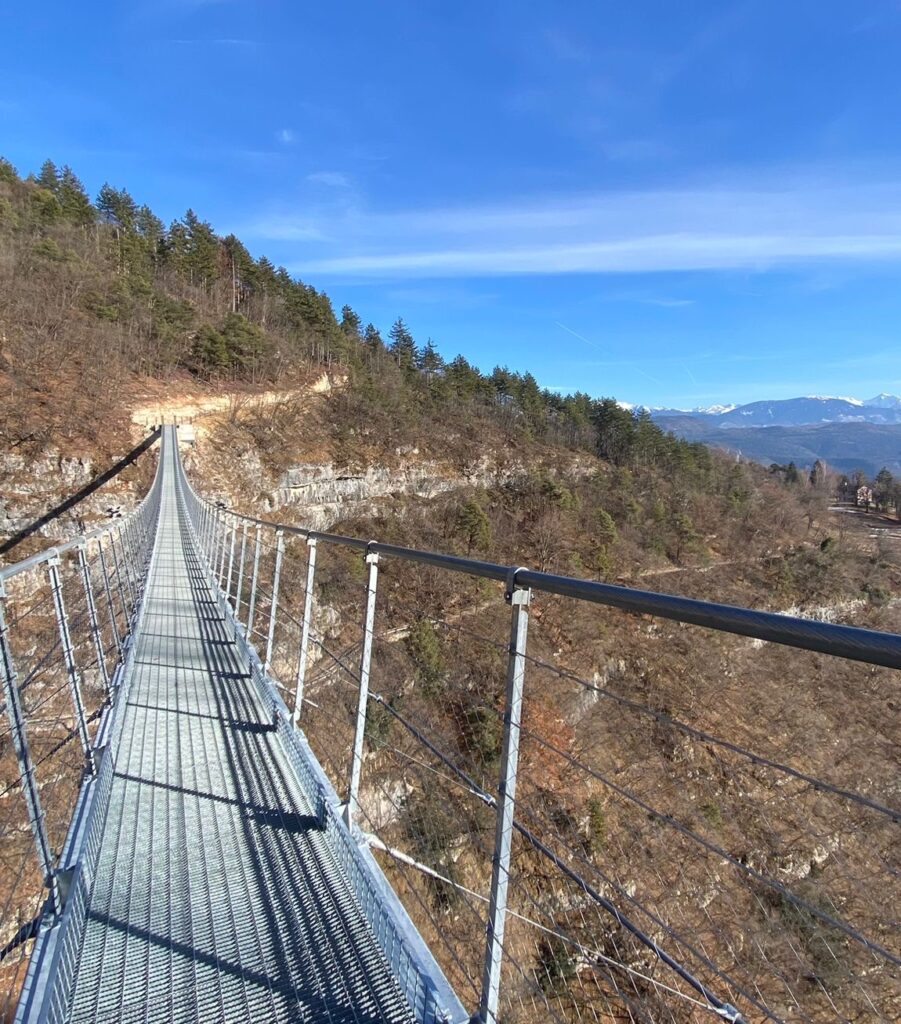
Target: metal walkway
[216,895]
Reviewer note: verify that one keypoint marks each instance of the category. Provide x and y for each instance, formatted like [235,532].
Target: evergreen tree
[474,524]
[883,489]
[209,350]
[429,360]
[463,379]
[202,252]
[8,173]
[350,322]
[402,347]
[48,177]
[117,207]
[74,200]
[241,269]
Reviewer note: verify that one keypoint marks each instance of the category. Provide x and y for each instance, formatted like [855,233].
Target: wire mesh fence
[681,847]
[65,616]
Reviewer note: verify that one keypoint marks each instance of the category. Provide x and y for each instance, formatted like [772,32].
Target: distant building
[864,496]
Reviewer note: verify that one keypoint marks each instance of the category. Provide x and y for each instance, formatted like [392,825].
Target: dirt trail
[188,408]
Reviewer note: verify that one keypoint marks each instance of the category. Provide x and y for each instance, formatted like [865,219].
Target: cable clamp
[728,1012]
[511,588]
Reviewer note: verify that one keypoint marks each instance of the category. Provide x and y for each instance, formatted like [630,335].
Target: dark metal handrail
[852,642]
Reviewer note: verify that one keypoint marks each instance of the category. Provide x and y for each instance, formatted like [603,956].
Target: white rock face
[325,492]
[31,487]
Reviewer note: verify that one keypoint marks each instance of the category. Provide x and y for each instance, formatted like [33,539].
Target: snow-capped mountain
[794,412]
[883,401]
[847,433]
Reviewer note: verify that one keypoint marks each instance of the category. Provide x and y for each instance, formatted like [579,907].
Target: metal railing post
[220,557]
[128,556]
[203,530]
[356,766]
[231,560]
[305,628]
[109,598]
[519,598]
[136,524]
[26,765]
[65,639]
[253,585]
[211,537]
[92,617]
[273,608]
[213,554]
[240,584]
[123,597]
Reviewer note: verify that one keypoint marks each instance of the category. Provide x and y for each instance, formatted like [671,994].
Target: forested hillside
[97,293]
[99,297]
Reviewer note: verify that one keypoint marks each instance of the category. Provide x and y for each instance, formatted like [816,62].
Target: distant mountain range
[847,433]
[795,412]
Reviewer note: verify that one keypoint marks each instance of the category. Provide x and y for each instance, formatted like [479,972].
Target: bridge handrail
[851,642]
[8,572]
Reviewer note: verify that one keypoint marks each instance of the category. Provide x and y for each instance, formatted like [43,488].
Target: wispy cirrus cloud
[717,228]
[331,179]
[220,41]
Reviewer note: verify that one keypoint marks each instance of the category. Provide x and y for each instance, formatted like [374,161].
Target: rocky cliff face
[324,493]
[30,488]
[319,493]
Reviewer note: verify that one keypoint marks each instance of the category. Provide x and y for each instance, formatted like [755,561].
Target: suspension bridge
[212,827]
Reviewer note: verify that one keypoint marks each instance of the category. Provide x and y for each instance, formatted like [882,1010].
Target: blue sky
[676,204]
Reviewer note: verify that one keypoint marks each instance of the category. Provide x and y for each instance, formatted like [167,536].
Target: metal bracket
[514,594]
[64,878]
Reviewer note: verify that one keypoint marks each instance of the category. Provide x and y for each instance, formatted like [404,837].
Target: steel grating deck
[215,898]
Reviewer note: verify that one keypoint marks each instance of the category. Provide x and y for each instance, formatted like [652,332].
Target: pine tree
[74,200]
[49,176]
[429,360]
[350,322]
[474,524]
[402,347]
[241,269]
[8,172]
[201,256]
[117,207]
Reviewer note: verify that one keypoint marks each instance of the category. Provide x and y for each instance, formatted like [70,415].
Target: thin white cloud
[803,222]
[651,254]
[215,42]
[332,179]
[286,136]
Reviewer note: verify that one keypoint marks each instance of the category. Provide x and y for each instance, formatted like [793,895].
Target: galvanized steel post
[23,756]
[253,585]
[519,598]
[123,573]
[214,544]
[356,767]
[305,628]
[231,561]
[109,598]
[92,617]
[273,607]
[205,530]
[220,559]
[128,553]
[65,639]
[240,583]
